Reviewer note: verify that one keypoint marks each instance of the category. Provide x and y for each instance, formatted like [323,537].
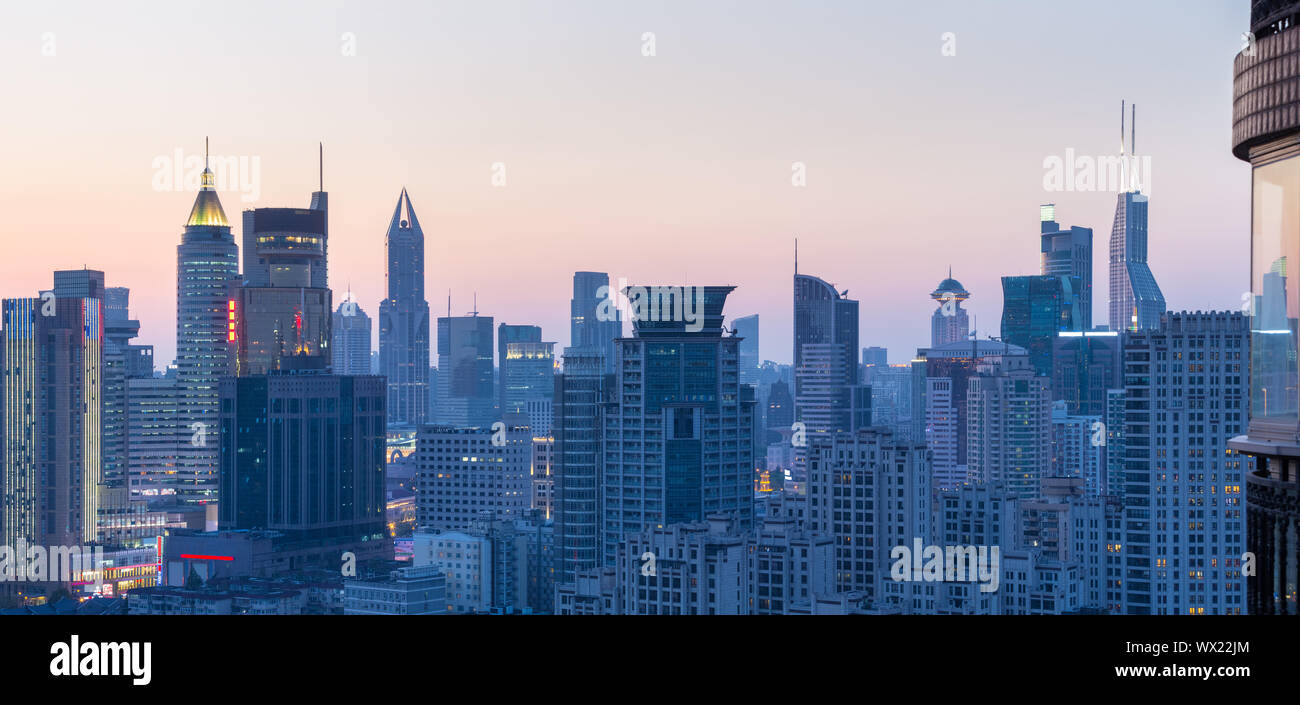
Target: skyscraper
[747,328]
[681,404]
[1067,252]
[302,453]
[949,322]
[579,393]
[1035,309]
[350,339]
[283,310]
[1135,299]
[1186,389]
[207,267]
[589,327]
[52,385]
[1009,427]
[465,393]
[404,320]
[526,367]
[123,361]
[1086,365]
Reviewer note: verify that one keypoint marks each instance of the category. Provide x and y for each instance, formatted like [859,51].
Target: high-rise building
[527,368]
[593,321]
[1067,252]
[1085,366]
[869,493]
[678,435]
[1135,299]
[50,477]
[404,320]
[1035,309]
[303,454]
[940,383]
[465,391]
[463,472]
[1186,389]
[155,437]
[1009,426]
[350,339]
[949,322]
[284,309]
[1265,134]
[577,426]
[747,328]
[207,268]
[1078,449]
[824,316]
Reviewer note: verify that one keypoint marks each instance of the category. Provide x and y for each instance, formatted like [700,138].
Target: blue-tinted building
[1035,309]
[1068,252]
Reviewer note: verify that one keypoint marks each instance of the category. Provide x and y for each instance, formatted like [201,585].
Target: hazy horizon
[672,168]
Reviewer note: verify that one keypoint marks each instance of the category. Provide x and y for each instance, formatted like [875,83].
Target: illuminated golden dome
[207,209]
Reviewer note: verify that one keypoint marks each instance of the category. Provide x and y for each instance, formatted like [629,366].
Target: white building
[465,560]
[465,471]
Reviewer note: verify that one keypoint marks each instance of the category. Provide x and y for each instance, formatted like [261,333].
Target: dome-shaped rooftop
[950,288]
[207,209]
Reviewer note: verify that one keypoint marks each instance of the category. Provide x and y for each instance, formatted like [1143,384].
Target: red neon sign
[199,557]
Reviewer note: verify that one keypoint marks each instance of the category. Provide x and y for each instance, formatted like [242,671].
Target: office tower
[1035,309]
[579,395]
[949,322]
[824,316]
[826,401]
[302,454]
[527,368]
[350,339]
[940,382]
[463,472]
[591,324]
[891,399]
[465,393]
[156,437]
[123,361]
[1067,252]
[283,310]
[1264,135]
[1009,426]
[207,266]
[1135,299]
[404,320]
[527,375]
[869,493]
[52,387]
[979,514]
[1186,387]
[747,328]
[1085,366]
[1078,445]
[678,435]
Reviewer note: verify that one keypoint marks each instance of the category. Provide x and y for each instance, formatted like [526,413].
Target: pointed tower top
[207,209]
[409,222]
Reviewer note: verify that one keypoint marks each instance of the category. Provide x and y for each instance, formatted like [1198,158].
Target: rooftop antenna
[1133,126]
[449,303]
[1121,127]
[205,152]
[321,162]
[796,256]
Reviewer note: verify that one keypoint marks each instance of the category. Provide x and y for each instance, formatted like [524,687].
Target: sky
[666,164]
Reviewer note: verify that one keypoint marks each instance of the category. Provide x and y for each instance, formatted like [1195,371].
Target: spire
[411,221]
[207,211]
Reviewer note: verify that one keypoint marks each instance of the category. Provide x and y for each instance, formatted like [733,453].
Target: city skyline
[657,159]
